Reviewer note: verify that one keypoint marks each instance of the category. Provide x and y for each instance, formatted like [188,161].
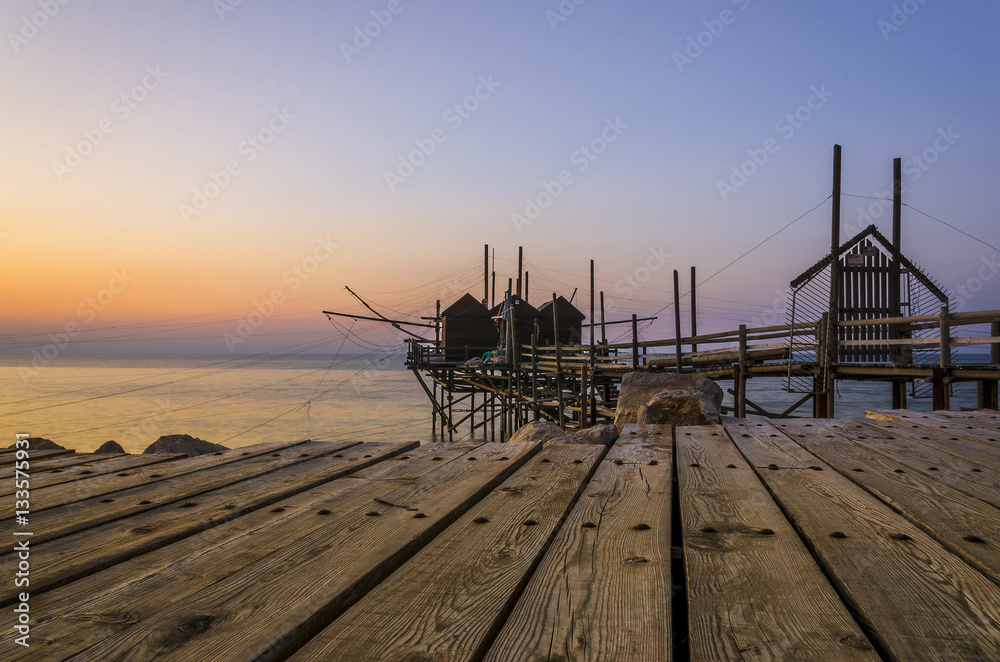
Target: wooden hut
[467,329]
[570,323]
[524,319]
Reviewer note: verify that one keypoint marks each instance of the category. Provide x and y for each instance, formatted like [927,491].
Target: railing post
[741,388]
[940,395]
[534,372]
[995,349]
[635,343]
[555,335]
[823,379]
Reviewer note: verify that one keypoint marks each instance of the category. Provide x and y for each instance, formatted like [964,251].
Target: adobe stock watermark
[31,24]
[580,160]
[371,30]
[626,287]
[292,278]
[223,7]
[562,12]
[87,311]
[786,127]
[913,168]
[454,116]
[986,271]
[775,313]
[714,27]
[249,149]
[898,17]
[121,109]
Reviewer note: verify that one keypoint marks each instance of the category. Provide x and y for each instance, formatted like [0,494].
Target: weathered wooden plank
[753,589]
[447,602]
[965,525]
[9,459]
[83,553]
[602,591]
[982,430]
[99,485]
[79,515]
[985,454]
[90,469]
[95,607]
[919,601]
[953,470]
[264,610]
[410,467]
[69,460]
[985,416]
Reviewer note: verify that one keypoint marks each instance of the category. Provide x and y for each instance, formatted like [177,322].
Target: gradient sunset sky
[171,167]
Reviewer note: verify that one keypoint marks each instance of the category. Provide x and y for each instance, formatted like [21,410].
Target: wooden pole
[694,315]
[592,312]
[823,378]
[437,324]
[493,298]
[555,335]
[451,416]
[741,389]
[835,238]
[941,400]
[486,273]
[584,404]
[605,351]
[995,349]
[677,318]
[835,276]
[604,328]
[526,274]
[897,224]
[534,371]
[831,359]
[520,269]
[635,343]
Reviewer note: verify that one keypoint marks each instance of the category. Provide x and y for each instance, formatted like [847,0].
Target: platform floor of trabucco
[800,539]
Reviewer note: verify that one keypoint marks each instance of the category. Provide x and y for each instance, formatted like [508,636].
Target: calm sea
[80,402]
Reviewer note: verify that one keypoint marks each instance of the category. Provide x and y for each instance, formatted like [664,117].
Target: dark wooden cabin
[570,323]
[467,329]
[524,319]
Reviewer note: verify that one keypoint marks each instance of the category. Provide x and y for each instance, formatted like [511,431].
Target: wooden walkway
[803,539]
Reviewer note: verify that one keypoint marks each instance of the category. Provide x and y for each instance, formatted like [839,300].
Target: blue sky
[309,117]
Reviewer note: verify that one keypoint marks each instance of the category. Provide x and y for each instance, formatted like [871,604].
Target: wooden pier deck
[807,539]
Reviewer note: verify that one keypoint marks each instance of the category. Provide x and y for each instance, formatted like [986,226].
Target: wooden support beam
[677,320]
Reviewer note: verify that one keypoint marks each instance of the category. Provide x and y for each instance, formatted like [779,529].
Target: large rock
[599,434]
[109,447]
[183,443]
[677,399]
[536,431]
[39,444]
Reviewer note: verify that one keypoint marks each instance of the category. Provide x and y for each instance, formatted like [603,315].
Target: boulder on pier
[183,443]
[109,447]
[550,433]
[40,444]
[671,398]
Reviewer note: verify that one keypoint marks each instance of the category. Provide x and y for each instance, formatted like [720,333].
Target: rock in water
[666,397]
[536,431]
[39,444]
[109,447]
[183,443]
